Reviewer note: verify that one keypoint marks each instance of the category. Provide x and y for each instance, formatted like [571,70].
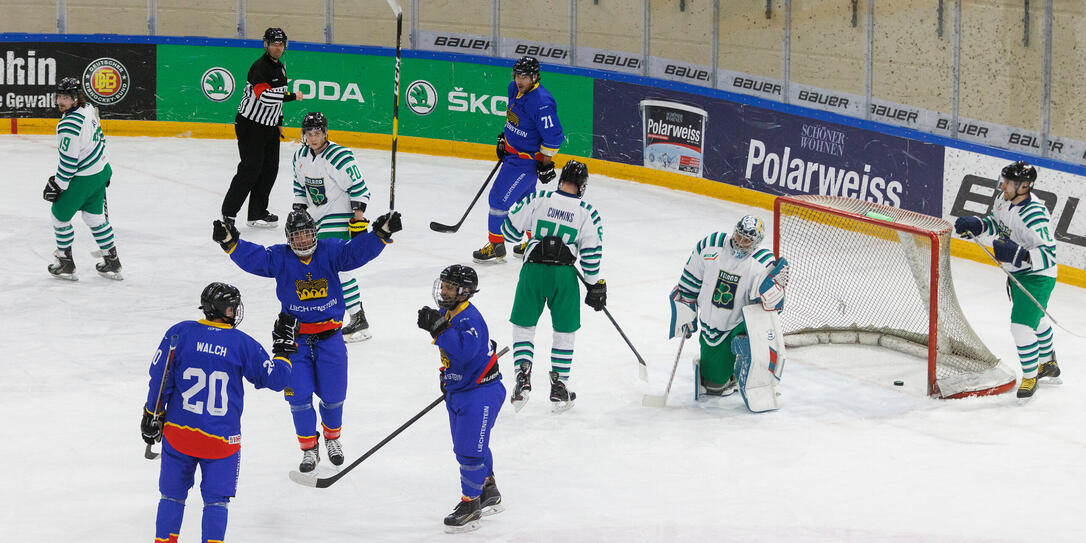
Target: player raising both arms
[83,173]
[1025,248]
[565,227]
[526,148]
[329,185]
[723,274]
[203,363]
[306,272]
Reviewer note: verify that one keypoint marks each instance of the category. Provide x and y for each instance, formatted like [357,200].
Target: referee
[258,126]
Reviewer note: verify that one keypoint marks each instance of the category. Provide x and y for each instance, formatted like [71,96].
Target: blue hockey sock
[473,474]
[305,423]
[331,419]
[214,522]
[168,520]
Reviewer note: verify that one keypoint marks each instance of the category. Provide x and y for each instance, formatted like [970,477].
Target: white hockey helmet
[749,232]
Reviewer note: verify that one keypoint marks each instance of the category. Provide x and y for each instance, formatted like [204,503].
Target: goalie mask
[455,285]
[301,233]
[222,301]
[1021,174]
[749,232]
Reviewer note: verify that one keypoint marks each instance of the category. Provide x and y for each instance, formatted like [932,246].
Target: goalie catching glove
[284,335]
[771,289]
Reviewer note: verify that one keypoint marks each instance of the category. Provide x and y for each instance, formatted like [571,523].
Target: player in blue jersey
[473,391]
[201,402]
[307,283]
[526,149]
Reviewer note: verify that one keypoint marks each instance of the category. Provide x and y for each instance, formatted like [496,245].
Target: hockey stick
[1023,289]
[315,482]
[148,453]
[661,401]
[642,368]
[395,5]
[438,227]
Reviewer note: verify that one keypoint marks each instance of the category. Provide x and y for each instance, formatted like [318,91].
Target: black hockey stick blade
[149,454]
[445,228]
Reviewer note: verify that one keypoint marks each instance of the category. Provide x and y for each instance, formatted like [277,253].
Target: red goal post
[872,274]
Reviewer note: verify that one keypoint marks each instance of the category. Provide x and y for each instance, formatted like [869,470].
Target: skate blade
[469,527]
[1024,401]
[499,260]
[1050,381]
[262,224]
[519,404]
[357,337]
[493,509]
[116,276]
[559,407]
[66,276]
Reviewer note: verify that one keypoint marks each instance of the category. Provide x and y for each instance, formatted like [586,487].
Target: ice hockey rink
[849,457]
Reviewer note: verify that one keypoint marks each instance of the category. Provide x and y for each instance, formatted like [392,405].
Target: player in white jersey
[1024,246]
[80,183]
[723,274]
[329,185]
[565,227]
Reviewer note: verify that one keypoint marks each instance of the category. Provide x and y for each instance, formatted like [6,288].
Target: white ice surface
[849,457]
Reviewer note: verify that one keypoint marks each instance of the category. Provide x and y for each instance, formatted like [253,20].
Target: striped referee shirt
[265,92]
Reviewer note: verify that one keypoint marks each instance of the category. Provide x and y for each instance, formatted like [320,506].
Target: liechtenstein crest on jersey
[512,117]
[310,289]
[726,286]
[315,187]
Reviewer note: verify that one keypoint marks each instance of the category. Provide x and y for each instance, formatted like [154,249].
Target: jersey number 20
[217,398]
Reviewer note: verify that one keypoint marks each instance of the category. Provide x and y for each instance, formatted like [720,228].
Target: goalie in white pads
[723,274]
[331,188]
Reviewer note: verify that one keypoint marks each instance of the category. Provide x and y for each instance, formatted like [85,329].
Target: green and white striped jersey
[722,284]
[81,144]
[328,182]
[1029,225]
[573,220]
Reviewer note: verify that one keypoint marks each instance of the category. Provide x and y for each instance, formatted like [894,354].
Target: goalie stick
[661,401]
[642,368]
[444,228]
[1023,289]
[148,453]
[395,5]
[325,482]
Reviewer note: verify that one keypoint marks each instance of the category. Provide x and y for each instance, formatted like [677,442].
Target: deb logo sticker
[217,84]
[421,97]
[106,81]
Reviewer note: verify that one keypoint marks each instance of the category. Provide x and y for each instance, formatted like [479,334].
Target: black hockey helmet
[463,277]
[69,86]
[217,298]
[273,35]
[576,173]
[1020,172]
[315,120]
[301,233]
[527,65]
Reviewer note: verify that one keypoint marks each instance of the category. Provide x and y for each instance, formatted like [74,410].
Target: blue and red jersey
[204,396]
[466,355]
[531,123]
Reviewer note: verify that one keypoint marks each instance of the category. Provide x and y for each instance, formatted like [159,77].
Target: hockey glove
[501,146]
[545,171]
[284,334]
[684,314]
[225,234]
[1010,252]
[597,295]
[151,426]
[771,289]
[52,190]
[299,207]
[968,227]
[355,226]
[432,321]
[386,225]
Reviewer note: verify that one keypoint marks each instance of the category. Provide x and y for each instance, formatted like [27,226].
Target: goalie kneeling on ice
[759,359]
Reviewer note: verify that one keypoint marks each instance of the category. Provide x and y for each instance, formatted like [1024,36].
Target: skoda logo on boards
[217,84]
[421,97]
[106,81]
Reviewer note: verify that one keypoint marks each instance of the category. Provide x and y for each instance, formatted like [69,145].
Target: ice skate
[727,389]
[63,266]
[110,266]
[1050,372]
[490,502]
[518,249]
[270,220]
[490,253]
[561,398]
[335,451]
[465,518]
[310,459]
[522,387]
[1025,390]
[358,329]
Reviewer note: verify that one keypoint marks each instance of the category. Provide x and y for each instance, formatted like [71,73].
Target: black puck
[899,383]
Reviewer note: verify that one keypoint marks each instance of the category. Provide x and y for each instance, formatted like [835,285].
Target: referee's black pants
[258,146]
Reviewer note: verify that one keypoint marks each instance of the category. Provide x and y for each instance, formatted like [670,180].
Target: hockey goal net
[877,275]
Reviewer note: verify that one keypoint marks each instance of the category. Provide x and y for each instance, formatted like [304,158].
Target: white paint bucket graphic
[674,136]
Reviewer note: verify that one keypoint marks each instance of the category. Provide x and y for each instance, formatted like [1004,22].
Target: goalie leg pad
[760,359]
